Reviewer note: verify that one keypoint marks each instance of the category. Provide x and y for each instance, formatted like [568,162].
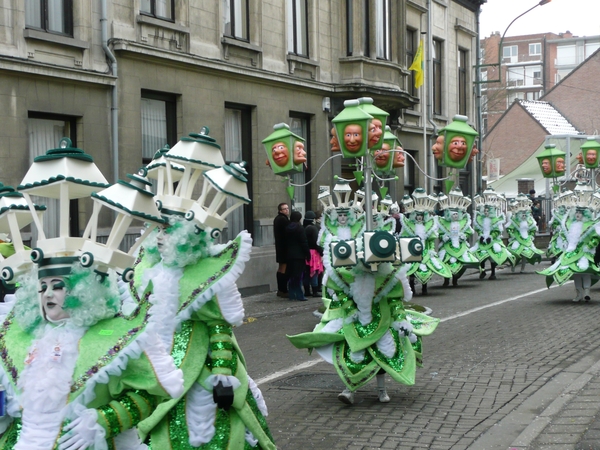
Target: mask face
[52,298]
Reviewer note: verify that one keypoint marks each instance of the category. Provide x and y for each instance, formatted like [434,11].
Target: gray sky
[580,17]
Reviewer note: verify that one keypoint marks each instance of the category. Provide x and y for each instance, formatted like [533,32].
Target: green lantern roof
[459,125]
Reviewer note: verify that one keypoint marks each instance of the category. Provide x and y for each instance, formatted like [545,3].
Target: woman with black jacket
[297,255]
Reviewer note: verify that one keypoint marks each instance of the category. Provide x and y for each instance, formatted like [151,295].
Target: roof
[548,117]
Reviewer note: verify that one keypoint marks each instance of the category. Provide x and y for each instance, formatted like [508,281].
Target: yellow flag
[417,66]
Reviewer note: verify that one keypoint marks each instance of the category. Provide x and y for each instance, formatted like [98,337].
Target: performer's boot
[411,283]
[493,275]
[523,264]
[383,395]
[454,280]
[482,270]
[446,281]
[424,289]
[587,283]
[579,291]
[316,292]
[346,396]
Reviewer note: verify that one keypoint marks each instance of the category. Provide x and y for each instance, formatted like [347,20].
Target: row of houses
[123,78]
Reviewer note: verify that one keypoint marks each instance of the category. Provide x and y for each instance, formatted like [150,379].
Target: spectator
[280,223]
[536,212]
[314,268]
[297,255]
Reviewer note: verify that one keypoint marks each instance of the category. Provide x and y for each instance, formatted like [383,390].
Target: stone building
[123,78]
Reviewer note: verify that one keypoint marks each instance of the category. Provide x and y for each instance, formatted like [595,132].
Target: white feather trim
[169,376]
[515,245]
[358,356]
[326,352]
[574,235]
[496,247]
[344,233]
[225,380]
[362,291]
[129,440]
[230,302]
[332,326]
[257,394]
[386,345]
[583,263]
[250,439]
[200,412]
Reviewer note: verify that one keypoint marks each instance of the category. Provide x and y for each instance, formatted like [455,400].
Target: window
[437,76]
[159,123]
[535,49]
[235,18]
[300,125]
[511,52]
[382,17]
[54,16]
[161,9]
[533,95]
[350,24]
[44,131]
[566,55]
[238,147]
[462,82]
[411,50]
[297,27]
[409,171]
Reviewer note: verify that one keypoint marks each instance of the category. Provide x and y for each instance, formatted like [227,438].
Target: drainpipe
[477,165]
[114,107]
[428,155]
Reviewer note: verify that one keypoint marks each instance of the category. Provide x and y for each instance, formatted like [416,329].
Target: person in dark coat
[314,268]
[280,223]
[297,255]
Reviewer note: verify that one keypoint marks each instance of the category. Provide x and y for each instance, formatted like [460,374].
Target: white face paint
[52,297]
[342,218]
[161,238]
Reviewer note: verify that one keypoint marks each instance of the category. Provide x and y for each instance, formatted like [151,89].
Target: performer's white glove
[82,433]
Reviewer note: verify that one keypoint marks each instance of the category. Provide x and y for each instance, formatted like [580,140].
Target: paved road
[511,365]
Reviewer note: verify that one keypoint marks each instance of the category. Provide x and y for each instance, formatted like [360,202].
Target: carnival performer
[489,225]
[419,220]
[558,239]
[521,230]
[78,374]
[365,331]
[190,279]
[582,234]
[454,232]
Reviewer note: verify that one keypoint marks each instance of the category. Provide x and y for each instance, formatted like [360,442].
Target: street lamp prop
[285,150]
[15,215]
[377,124]
[352,127]
[130,200]
[591,151]
[459,138]
[552,164]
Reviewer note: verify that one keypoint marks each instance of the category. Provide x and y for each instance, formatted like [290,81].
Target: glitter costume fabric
[198,305]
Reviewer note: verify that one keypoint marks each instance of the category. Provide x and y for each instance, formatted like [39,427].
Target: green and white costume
[108,374]
[521,230]
[197,307]
[489,224]
[365,327]
[454,249]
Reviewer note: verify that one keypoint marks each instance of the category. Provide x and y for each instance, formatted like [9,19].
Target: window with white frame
[161,9]
[512,96]
[535,49]
[44,133]
[383,22]
[566,55]
[510,52]
[462,82]
[297,27]
[235,18]
[238,147]
[437,76]
[53,16]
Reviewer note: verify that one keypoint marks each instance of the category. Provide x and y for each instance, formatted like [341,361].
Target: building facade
[526,67]
[123,78]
